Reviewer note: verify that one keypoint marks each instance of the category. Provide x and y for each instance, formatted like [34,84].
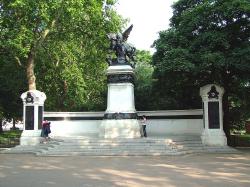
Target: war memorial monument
[120,118]
[117,130]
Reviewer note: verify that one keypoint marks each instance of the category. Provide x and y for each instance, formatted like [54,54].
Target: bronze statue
[124,52]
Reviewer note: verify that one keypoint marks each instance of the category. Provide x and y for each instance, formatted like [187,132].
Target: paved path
[229,170]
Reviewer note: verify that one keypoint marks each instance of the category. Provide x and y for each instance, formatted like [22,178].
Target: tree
[62,43]
[12,84]
[208,42]
[27,26]
[143,80]
[1,119]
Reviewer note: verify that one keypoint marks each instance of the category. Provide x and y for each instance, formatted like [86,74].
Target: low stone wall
[159,123]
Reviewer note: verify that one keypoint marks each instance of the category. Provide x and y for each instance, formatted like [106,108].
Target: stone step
[108,153]
[133,152]
[120,143]
[113,142]
[149,139]
[129,143]
[24,149]
[117,145]
[110,147]
[30,148]
[109,150]
[225,149]
[120,147]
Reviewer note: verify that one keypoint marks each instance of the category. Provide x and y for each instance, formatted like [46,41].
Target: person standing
[45,131]
[144,125]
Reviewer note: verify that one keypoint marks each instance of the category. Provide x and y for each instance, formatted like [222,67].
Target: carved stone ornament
[29,98]
[213,94]
[120,78]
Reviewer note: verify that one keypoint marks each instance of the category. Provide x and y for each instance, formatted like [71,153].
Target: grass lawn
[10,138]
[245,137]
[240,140]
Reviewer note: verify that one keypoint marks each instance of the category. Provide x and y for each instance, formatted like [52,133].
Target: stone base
[30,137]
[123,128]
[214,137]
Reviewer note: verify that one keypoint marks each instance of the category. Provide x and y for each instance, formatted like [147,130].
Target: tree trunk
[31,57]
[14,124]
[1,127]
[30,71]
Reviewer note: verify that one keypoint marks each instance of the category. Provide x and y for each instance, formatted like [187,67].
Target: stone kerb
[213,133]
[33,107]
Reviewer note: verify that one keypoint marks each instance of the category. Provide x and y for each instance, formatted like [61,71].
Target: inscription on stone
[120,78]
[29,118]
[204,116]
[40,117]
[213,115]
[117,116]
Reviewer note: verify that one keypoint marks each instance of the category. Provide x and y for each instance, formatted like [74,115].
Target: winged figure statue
[124,52]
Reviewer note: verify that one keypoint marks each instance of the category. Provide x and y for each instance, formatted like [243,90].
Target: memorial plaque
[213,115]
[204,116]
[29,118]
[120,78]
[40,117]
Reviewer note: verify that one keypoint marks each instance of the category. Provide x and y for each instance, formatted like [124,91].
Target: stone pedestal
[213,133]
[120,118]
[33,107]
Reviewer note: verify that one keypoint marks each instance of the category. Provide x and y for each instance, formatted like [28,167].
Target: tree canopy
[208,42]
[143,80]
[62,43]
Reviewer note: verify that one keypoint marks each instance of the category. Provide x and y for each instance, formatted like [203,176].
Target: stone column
[33,106]
[213,133]
[120,118]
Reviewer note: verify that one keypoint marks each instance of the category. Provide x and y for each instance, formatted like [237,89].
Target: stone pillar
[213,133]
[120,118]
[33,106]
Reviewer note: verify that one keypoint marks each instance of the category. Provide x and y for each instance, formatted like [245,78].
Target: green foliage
[12,84]
[143,81]
[11,134]
[66,41]
[10,138]
[208,42]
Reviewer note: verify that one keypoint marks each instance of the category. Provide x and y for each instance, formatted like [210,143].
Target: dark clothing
[144,125]
[144,130]
[45,129]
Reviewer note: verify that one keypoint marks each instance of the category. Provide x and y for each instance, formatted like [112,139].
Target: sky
[148,17]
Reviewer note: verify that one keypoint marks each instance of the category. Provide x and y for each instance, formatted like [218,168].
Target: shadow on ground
[189,170]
